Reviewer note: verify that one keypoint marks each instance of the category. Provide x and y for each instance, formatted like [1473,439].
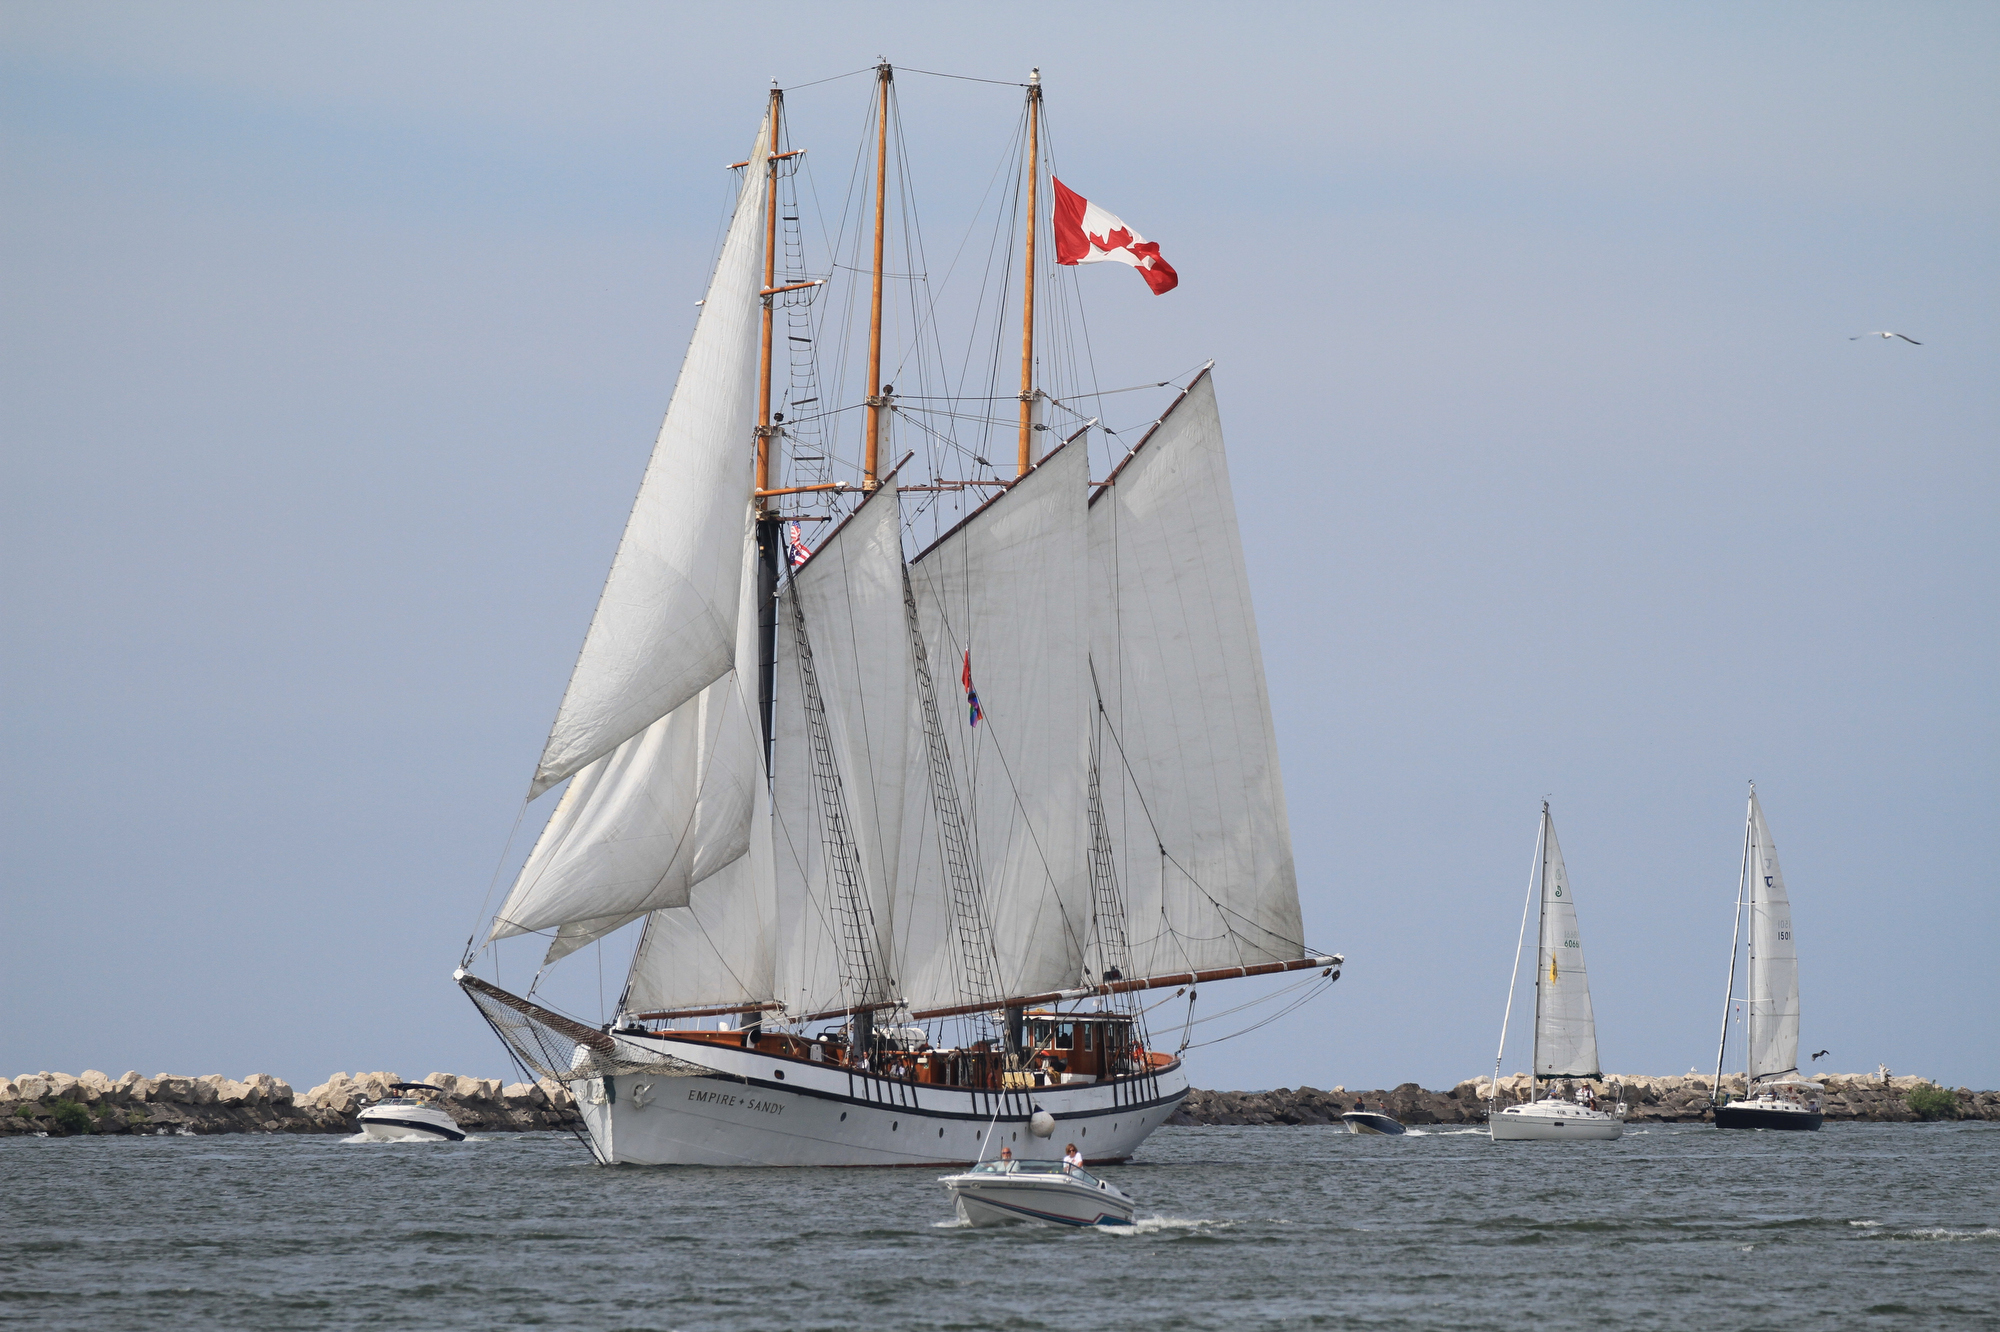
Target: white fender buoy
[1042,1124]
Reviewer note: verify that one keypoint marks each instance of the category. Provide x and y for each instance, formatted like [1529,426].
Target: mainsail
[1193,799]
[1565,1032]
[841,720]
[1773,959]
[1002,598]
[665,625]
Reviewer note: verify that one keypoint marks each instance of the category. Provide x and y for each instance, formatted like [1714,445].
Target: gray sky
[336,337]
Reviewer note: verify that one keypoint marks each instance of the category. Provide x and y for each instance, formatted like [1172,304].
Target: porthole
[843,1115]
[779,1073]
[940,1133]
[894,1125]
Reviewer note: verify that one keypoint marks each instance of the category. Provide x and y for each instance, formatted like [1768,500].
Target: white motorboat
[409,1118]
[1367,1121]
[1779,1097]
[1565,1029]
[996,1193]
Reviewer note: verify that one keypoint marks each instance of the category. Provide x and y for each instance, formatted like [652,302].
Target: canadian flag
[1086,234]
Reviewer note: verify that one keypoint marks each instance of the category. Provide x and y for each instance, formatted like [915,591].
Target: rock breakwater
[1671,1100]
[58,1104]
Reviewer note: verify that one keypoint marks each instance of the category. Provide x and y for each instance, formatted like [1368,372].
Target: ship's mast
[1026,459]
[876,401]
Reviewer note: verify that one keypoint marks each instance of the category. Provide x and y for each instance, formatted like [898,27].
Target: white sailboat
[928,918]
[1777,1095]
[1565,1044]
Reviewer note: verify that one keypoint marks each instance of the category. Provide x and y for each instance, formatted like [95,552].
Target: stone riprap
[59,1104]
[1673,1100]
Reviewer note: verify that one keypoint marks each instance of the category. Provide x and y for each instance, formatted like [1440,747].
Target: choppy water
[1682,1227]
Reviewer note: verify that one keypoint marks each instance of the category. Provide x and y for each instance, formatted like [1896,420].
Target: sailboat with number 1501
[922,771]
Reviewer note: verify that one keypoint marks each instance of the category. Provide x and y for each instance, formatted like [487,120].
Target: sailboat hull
[1554,1121]
[755,1109]
[1764,1115]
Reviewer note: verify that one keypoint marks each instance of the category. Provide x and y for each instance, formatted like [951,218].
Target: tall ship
[921,736]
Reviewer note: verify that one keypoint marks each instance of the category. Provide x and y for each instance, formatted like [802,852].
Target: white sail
[1008,586]
[1191,763]
[666,809]
[665,625]
[839,794]
[1565,1031]
[1774,959]
[716,950]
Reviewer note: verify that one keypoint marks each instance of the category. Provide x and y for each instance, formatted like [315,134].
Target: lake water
[1857,1226]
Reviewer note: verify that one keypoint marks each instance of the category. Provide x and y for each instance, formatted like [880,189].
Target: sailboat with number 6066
[1565,1044]
[923,736]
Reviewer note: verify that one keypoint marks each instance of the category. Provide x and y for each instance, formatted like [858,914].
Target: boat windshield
[1033,1168]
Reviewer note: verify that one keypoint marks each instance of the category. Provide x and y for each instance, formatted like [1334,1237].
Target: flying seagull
[1821,1055]
[1878,333]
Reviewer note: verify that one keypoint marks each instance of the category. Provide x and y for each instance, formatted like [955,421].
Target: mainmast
[1027,458]
[876,400]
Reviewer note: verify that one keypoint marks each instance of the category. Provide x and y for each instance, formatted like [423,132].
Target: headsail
[1774,959]
[665,625]
[638,827]
[1193,798]
[1565,1031]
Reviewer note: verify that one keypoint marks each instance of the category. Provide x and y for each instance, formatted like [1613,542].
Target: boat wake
[1163,1225]
[402,1140]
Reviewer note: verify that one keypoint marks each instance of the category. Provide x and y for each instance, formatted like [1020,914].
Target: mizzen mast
[1027,457]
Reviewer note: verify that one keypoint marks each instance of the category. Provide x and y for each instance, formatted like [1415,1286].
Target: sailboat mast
[876,402]
[1541,915]
[1749,942]
[1514,978]
[1026,458]
[1735,938]
[764,431]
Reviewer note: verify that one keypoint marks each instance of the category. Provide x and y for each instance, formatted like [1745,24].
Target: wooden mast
[1026,458]
[764,431]
[876,401]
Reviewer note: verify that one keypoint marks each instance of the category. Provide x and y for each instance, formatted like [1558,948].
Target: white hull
[998,1200]
[762,1110]
[1554,1121]
[407,1122]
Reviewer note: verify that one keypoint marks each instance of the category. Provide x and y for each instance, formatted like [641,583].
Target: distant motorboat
[1778,1096]
[995,1193]
[1368,1121]
[1565,1029]
[409,1118]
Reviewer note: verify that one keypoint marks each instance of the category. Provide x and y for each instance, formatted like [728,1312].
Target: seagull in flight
[1821,1055]
[1878,333]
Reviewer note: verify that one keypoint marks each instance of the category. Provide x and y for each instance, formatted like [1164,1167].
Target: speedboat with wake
[995,1193]
[1565,1030]
[1363,1120]
[409,1118]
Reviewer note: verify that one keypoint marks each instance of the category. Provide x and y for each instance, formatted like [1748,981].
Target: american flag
[795,543]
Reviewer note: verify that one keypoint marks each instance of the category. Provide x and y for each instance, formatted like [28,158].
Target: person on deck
[1006,1158]
[1072,1157]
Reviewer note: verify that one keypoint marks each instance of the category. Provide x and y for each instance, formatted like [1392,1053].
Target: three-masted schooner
[922,819]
